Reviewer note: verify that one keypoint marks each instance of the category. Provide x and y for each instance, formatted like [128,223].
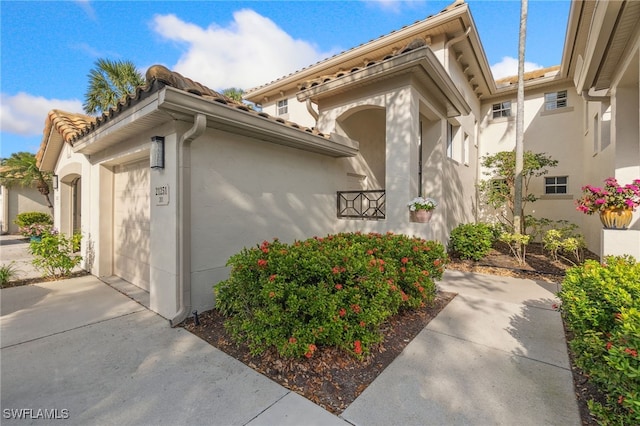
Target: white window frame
[282,106]
[556,100]
[454,142]
[553,182]
[501,110]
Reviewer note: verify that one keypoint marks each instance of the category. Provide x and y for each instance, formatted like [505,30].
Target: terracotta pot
[420,216]
[616,218]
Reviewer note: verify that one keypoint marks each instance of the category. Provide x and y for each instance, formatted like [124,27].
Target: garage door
[131,223]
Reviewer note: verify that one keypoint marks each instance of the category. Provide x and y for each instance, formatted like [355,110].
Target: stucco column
[163,244]
[402,122]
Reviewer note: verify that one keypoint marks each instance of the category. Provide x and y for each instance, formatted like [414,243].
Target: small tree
[499,190]
[20,169]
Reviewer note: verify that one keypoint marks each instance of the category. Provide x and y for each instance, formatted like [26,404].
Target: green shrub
[7,273]
[564,241]
[331,291]
[517,245]
[601,306]
[53,255]
[471,240]
[29,218]
[76,239]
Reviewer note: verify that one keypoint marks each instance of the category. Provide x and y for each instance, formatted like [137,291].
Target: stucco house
[176,178]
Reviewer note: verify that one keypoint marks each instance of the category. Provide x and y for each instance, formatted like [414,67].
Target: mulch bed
[331,379]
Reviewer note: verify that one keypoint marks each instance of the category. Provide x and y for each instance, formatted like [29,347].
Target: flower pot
[35,238]
[616,218]
[420,216]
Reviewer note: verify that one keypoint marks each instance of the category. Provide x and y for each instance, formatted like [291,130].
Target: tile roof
[414,44]
[171,78]
[453,5]
[528,76]
[65,124]
[74,126]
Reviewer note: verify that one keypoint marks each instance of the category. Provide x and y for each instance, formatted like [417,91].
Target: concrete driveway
[79,352]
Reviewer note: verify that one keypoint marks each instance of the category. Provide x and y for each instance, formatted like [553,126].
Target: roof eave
[171,103]
[224,118]
[604,20]
[411,31]
[422,57]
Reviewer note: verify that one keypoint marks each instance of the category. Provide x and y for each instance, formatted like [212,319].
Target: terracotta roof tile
[414,44]
[74,126]
[453,5]
[178,81]
[531,75]
[67,124]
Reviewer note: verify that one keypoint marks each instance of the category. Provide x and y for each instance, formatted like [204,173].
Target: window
[283,107]
[555,100]
[503,109]
[555,185]
[454,148]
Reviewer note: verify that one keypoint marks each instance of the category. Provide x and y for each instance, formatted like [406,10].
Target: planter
[35,238]
[420,216]
[616,218]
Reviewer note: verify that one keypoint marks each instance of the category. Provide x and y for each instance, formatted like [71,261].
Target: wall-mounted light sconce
[54,181]
[157,152]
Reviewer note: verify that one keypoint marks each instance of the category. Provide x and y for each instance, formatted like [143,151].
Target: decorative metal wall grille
[361,204]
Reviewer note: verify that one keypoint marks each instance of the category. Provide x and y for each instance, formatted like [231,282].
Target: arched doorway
[70,214]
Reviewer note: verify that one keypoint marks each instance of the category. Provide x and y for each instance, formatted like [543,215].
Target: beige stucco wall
[244,191]
[16,200]
[557,133]
[297,111]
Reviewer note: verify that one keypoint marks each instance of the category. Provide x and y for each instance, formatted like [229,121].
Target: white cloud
[396,5]
[250,51]
[508,67]
[24,114]
[88,9]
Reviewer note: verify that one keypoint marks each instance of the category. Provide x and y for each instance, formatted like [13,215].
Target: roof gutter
[591,98]
[184,227]
[453,41]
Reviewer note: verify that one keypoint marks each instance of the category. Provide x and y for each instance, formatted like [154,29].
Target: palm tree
[109,81]
[234,93]
[20,169]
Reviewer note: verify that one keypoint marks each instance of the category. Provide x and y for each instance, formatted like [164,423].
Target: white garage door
[131,223]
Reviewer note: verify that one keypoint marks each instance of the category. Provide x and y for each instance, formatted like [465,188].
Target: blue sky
[48,47]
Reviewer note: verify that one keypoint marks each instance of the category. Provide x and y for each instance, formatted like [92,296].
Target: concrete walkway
[495,355]
[14,249]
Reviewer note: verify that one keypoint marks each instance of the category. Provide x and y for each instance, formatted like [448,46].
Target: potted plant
[614,203]
[35,231]
[421,209]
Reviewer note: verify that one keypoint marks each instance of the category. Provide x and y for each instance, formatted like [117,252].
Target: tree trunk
[43,187]
[517,214]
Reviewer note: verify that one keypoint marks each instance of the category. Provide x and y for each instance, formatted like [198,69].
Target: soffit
[580,15]
[625,28]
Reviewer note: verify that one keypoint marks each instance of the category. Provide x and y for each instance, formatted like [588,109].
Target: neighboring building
[176,178]
[16,200]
